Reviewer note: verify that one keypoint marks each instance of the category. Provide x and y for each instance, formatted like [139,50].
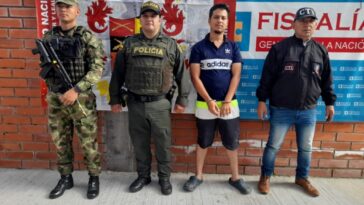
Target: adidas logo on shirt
[218,64]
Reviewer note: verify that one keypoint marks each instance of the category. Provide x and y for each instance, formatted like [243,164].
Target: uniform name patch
[148,51]
[289,67]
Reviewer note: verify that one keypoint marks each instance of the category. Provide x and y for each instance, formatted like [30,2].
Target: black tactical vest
[71,51]
[149,66]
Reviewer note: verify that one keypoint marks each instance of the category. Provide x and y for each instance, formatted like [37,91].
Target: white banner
[260,24]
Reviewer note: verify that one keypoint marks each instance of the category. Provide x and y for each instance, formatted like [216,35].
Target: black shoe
[139,183]
[93,187]
[241,186]
[166,186]
[192,183]
[66,182]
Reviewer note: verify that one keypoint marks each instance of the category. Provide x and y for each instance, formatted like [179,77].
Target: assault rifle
[50,61]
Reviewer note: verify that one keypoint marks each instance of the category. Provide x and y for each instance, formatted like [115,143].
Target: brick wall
[24,142]
[338,149]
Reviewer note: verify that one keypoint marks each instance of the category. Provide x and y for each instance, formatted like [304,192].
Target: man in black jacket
[296,72]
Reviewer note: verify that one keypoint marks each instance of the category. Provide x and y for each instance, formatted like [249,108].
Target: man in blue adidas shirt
[215,72]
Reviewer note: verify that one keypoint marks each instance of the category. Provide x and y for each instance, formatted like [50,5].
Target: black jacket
[294,76]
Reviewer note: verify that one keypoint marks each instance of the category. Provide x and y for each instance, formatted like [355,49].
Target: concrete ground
[32,187]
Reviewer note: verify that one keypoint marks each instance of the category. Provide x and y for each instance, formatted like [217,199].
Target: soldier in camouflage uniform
[81,54]
[148,64]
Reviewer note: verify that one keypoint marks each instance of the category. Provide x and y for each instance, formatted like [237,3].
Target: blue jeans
[280,121]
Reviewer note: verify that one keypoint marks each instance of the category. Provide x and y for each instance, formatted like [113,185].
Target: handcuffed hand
[225,109]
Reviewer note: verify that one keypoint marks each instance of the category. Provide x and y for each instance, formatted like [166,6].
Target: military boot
[93,187]
[66,182]
[139,183]
[166,186]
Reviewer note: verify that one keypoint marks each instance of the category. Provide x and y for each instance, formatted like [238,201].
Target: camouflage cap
[150,6]
[68,2]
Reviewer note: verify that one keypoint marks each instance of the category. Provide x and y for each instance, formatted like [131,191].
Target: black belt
[146,98]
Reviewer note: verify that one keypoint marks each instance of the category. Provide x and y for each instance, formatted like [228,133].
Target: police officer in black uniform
[148,64]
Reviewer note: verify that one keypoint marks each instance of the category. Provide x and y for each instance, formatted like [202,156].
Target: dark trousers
[147,120]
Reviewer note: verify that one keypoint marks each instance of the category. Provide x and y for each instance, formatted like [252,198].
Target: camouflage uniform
[63,119]
[148,67]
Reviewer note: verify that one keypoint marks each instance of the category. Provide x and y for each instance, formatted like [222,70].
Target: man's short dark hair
[219,6]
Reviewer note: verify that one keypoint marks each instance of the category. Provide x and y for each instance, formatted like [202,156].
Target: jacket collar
[300,41]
